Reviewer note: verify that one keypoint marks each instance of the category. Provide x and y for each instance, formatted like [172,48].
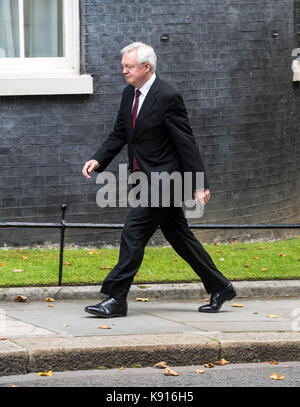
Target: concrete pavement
[38,335]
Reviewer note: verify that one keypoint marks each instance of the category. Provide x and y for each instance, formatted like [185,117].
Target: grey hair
[145,53]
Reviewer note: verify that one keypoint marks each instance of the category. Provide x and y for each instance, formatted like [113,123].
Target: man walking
[152,121]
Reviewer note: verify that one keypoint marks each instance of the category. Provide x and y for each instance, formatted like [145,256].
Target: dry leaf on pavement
[236,304]
[222,362]
[49,299]
[273,362]
[170,372]
[104,327]
[209,365]
[142,299]
[273,316]
[161,365]
[199,371]
[20,298]
[45,373]
[276,377]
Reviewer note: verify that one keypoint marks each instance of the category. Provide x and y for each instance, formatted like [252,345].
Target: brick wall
[237,84]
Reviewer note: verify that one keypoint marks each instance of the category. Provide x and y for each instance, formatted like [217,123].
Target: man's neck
[145,81]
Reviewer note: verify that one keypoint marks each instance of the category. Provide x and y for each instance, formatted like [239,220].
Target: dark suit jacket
[162,139]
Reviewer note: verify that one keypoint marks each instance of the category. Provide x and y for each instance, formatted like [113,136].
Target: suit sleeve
[113,144]
[177,122]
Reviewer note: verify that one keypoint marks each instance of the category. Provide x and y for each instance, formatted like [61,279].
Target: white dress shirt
[144,90]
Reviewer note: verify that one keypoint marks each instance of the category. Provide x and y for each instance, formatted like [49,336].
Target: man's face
[134,73]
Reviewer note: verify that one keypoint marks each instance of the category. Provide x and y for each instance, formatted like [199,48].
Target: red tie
[134,114]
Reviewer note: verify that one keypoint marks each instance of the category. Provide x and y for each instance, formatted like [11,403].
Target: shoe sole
[106,316]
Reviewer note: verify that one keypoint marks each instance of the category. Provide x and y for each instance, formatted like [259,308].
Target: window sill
[46,85]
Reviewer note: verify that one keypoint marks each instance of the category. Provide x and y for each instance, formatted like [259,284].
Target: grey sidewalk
[166,327]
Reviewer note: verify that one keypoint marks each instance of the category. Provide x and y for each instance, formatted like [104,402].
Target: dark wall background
[237,84]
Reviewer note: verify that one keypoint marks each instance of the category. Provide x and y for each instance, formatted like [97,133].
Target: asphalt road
[231,375]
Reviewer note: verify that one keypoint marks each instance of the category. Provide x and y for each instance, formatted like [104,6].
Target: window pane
[43,28]
[9,29]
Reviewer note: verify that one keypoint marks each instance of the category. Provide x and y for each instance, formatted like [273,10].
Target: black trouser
[140,225]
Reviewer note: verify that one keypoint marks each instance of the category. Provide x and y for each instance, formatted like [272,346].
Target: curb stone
[245,289]
[29,355]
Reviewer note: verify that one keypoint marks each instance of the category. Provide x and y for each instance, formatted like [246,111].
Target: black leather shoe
[109,308]
[218,299]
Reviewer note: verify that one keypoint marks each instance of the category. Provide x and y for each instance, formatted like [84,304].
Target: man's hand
[89,167]
[202,196]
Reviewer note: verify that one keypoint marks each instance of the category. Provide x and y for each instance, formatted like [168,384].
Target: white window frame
[40,76]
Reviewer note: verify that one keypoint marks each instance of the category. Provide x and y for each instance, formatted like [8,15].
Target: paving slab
[36,336]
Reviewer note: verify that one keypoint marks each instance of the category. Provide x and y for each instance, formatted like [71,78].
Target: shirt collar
[145,88]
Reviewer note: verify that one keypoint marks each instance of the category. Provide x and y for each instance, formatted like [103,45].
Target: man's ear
[148,66]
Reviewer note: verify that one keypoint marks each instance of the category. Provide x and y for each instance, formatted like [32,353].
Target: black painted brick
[243,107]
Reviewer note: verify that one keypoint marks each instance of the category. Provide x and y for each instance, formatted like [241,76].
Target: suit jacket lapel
[146,106]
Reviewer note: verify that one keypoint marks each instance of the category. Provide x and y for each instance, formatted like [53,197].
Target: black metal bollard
[62,238]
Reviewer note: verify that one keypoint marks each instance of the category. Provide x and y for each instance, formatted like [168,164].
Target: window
[39,48]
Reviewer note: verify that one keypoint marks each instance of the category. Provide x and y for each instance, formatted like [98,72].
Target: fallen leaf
[3,339]
[92,251]
[209,365]
[270,297]
[288,296]
[66,263]
[17,270]
[207,299]
[221,259]
[170,372]
[199,371]
[45,373]
[218,251]
[255,313]
[215,243]
[13,385]
[273,316]
[276,377]
[256,257]
[161,365]
[273,362]
[20,298]
[25,257]
[142,299]
[234,240]
[282,255]
[105,268]
[246,265]
[3,264]
[50,305]
[222,362]
[264,269]
[236,304]
[262,248]
[104,327]
[175,259]
[65,325]
[122,368]
[49,299]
